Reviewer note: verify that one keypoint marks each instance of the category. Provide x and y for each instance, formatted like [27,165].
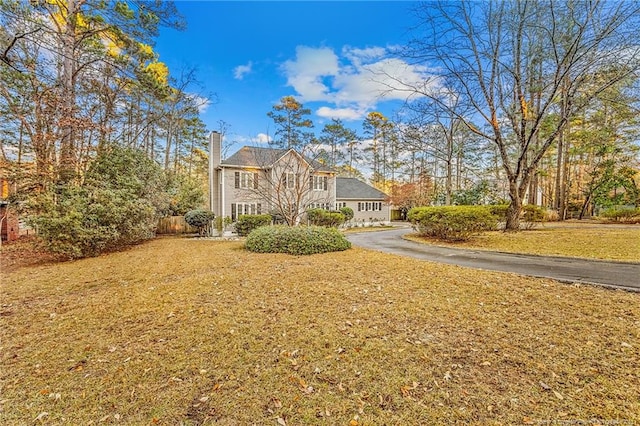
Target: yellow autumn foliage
[159,71]
[146,50]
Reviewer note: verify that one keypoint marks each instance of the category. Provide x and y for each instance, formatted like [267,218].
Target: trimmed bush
[499,211]
[248,222]
[199,219]
[321,217]
[347,212]
[452,223]
[532,214]
[297,240]
[626,215]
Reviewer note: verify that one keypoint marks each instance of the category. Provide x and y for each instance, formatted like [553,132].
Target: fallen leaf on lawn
[545,386]
[626,345]
[407,389]
[41,416]
[281,421]
[447,375]
[277,403]
[558,395]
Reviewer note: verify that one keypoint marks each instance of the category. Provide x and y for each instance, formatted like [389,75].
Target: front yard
[186,331]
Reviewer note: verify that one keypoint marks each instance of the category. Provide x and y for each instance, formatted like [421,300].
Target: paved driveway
[610,274]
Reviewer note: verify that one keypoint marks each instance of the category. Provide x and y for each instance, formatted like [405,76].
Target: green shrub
[298,240]
[627,215]
[452,223]
[321,217]
[118,204]
[499,211]
[199,219]
[248,222]
[347,212]
[532,214]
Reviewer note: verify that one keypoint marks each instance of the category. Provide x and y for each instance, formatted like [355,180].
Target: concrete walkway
[573,270]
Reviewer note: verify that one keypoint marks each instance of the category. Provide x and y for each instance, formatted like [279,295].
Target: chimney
[215,157]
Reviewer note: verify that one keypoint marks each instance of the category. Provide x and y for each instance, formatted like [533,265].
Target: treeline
[527,101]
[83,93]
[80,76]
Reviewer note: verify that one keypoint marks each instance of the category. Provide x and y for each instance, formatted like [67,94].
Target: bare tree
[284,182]
[518,65]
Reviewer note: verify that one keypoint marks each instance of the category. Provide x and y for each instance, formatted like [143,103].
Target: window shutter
[325,179]
[259,208]
[255,181]
[233,212]
[237,179]
[311,179]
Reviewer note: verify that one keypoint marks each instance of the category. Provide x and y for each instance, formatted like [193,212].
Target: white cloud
[341,113]
[201,102]
[241,70]
[261,138]
[355,82]
[307,72]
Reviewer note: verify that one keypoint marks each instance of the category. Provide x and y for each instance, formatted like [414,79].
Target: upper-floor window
[319,183]
[246,180]
[289,180]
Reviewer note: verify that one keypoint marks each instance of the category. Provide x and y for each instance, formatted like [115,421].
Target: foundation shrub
[248,222]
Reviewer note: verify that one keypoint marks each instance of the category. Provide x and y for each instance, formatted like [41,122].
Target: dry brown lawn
[605,242]
[187,331]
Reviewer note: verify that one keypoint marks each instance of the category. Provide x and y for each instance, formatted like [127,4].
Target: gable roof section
[354,189]
[261,157]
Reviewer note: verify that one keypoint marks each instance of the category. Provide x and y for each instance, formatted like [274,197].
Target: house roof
[261,157]
[354,189]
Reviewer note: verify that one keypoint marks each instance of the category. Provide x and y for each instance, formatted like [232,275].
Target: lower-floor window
[238,209]
[370,206]
[341,204]
[324,206]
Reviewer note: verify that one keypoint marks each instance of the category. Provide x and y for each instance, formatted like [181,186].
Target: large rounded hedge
[296,240]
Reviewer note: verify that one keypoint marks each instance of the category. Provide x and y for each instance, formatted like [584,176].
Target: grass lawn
[603,242]
[187,331]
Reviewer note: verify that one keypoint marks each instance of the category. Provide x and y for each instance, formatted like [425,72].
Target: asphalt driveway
[572,270]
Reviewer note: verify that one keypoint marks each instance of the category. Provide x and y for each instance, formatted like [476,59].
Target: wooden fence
[174,225]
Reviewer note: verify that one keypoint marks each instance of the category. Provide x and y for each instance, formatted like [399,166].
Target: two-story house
[257,180]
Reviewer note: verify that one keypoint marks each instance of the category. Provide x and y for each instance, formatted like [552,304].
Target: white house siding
[364,216]
[257,200]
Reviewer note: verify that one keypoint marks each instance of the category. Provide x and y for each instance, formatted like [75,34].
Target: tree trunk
[513,212]
[67,142]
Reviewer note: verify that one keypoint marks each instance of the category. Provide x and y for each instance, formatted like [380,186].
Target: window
[289,180]
[319,183]
[341,204]
[246,180]
[370,206]
[238,209]
[323,206]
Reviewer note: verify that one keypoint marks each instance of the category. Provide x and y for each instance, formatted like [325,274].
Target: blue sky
[330,55]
